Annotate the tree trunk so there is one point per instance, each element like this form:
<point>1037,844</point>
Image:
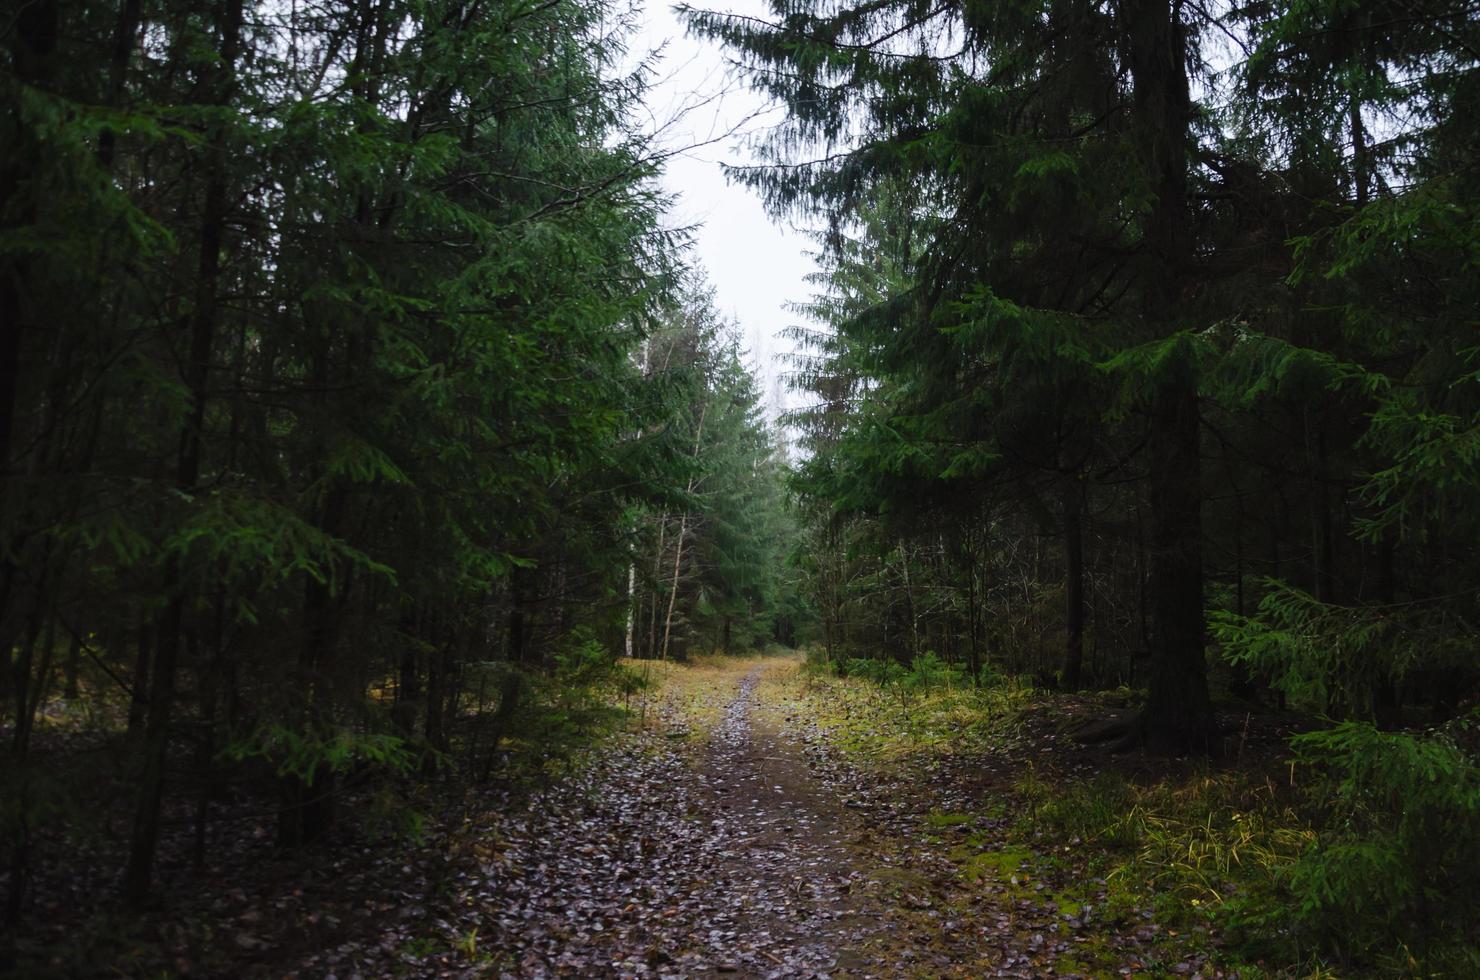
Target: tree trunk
<point>125,37</point>
<point>1361,148</point>
<point>1073,586</point>
<point>138,706</point>
<point>518,633</point>
<point>33,36</point>
<point>22,668</point>
<point>973,648</point>
<point>511,693</point>
<point>309,810</point>
<point>408,681</point>
<point>1387,702</point>
<point>215,211</point>
<point>1178,713</point>
<point>683,525</point>
<point>32,31</point>
<point>909,601</point>
<point>70,671</point>
<point>436,696</point>
<point>630,634</point>
<point>1242,684</point>
<point>652,632</point>
<point>205,750</point>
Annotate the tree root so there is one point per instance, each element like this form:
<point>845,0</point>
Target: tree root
<point>1136,733</point>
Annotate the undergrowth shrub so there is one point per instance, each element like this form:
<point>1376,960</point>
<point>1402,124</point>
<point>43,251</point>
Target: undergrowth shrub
<point>1102,811</point>
<point>310,756</point>
<point>389,813</point>
<point>545,719</point>
<point>885,673</point>
<point>927,705</point>
<point>928,671</point>
<point>1397,875</point>
<point>1381,872</point>
<point>816,661</point>
<point>925,672</point>
<point>1212,847</point>
<point>587,682</point>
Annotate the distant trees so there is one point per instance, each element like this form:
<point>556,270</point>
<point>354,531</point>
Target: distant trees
<point>329,409</point>
<point>1134,312</point>
<point>709,573</point>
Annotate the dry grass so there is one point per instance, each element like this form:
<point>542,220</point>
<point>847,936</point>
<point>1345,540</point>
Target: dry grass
<point>883,725</point>
<point>693,695</point>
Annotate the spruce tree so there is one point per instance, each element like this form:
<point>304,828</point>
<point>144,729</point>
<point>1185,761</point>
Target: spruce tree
<point>1052,151</point>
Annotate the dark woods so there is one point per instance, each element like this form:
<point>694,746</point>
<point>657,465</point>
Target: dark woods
<point>357,413</point>
<point>1138,319</point>
<point>353,397</point>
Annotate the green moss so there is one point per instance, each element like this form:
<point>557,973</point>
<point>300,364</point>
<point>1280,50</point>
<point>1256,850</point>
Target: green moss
<point>938,820</point>
<point>1067,904</point>
<point>1001,864</point>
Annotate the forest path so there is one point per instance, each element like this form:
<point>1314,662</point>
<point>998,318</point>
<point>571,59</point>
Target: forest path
<point>786,869</point>
<point>702,846</point>
<point>726,840</point>
<point>737,829</point>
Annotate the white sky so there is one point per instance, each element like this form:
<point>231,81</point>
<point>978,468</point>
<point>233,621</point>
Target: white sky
<point>755,265</point>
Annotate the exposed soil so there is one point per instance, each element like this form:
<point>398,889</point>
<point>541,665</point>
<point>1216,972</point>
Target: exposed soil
<point>709,857</point>
<point>786,868</point>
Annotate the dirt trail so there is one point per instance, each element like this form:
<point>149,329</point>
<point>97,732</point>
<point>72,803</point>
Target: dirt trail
<point>744,853</point>
<point>787,876</point>
<point>673,857</point>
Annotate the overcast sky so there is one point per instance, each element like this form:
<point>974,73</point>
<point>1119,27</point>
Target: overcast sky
<point>755,265</point>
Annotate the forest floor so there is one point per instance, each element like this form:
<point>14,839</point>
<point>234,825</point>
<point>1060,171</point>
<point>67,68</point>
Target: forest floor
<point>735,833</point>
<point>752,819</point>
